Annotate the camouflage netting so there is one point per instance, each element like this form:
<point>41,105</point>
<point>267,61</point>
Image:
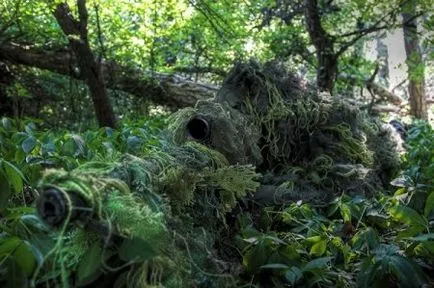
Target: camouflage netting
<point>160,220</point>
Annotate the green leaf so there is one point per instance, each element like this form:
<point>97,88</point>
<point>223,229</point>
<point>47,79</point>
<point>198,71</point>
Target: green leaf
<point>423,237</point>
<point>8,245</point>
<point>7,123</point>
<point>319,248</point>
<point>135,250</point>
<point>408,273</point>
<point>5,191</point>
<point>429,204</point>
<point>366,238</point>
<point>69,147</point>
<point>345,212</point>
<point>410,217</point>
<point>274,266</point>
<point>90,263</point>
<point>16,277</point>
<point>80,144</point>
<point>293,275</point>
<point>20,251</point>
<point>25,258</point>
<point>257,256</point>
<point>313,239</point>
<point>15,176</point>
<point>318,263</point>
<point>29,144</point>
<point>365,275</point>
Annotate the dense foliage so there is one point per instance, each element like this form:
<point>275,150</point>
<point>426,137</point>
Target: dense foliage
<point>199,39</point>
<point>157,56</point>
<point>354,241</point>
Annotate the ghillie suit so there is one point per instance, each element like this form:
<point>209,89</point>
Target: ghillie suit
<point>307,145</point>
<point>161,219</point>
<point>148,222</point>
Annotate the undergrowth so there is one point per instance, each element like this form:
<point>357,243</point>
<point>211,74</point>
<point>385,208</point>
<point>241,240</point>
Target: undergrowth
<point>355,241</point>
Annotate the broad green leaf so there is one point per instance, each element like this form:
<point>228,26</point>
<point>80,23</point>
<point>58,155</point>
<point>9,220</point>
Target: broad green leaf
<point>318,263</point>
<point>365,275</point>
<point>345,212</point>
<point>385,250</point>
<point>319,248</point>
<point>20,251</point>
<point>313,239</point>
<point>15,176</point>
<point>410,217</point>
<point>80,144</point>
<point>257,256</point>
<point>408,273</point>
<point>16,276</point>
<point>29,144</point>
<point>293,275</point>
<point>423,237</point>
<point>8,245</point>
<point>69,147</point>
<point>5,190</point>
<point>290,252</point>
<point>274,266</point>
<point>25,257</point>
<point>429,204</point>
<point>135,250</point>
<point>30,128</point>
<point>425,249</point>
<point>366,238</point>
<point>7,123</point>
<point>90,263</point>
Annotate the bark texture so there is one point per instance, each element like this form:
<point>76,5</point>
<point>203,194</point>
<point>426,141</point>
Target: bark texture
<point>323,42</point>
<point>167,90</point>
<point>76,31</point>
<point>416,86</point>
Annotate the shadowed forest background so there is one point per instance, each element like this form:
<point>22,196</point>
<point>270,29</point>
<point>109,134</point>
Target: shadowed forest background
<point>90,81</point>
<point>156,53</point>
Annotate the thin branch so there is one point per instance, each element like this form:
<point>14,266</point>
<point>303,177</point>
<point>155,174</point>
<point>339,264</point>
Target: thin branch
<point>374,28</point>
<point>371,79</point>
<point>102,53</point>
<point>201,70</point>
<point>399,84</point>
<point>211,15</point>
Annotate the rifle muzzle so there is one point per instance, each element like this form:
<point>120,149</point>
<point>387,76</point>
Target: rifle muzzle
<point>55,206</point>
<point>198,128</point>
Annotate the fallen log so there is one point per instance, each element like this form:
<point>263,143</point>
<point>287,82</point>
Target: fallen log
<point>162,89</point>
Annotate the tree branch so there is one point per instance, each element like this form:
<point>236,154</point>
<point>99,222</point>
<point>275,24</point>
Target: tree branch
<point>373,28</point>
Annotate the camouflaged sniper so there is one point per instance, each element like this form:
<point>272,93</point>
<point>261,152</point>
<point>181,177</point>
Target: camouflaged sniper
<point>158,220</point>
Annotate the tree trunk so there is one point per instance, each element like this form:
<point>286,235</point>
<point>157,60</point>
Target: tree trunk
<point>416,87</point>
<point>89,68</point>
<point>6,103</point>
<point>383,61</point>
<point>324,46</point>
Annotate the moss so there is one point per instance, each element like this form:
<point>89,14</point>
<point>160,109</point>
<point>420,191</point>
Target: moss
<point>234,182</point>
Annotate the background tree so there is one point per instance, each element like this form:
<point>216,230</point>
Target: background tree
<point>164,54</point>
<point>416,67</point>
<point>76,31</point>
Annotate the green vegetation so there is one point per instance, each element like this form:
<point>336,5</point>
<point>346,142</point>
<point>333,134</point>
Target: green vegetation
<point>353,241</point>
<point>215,144</point>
